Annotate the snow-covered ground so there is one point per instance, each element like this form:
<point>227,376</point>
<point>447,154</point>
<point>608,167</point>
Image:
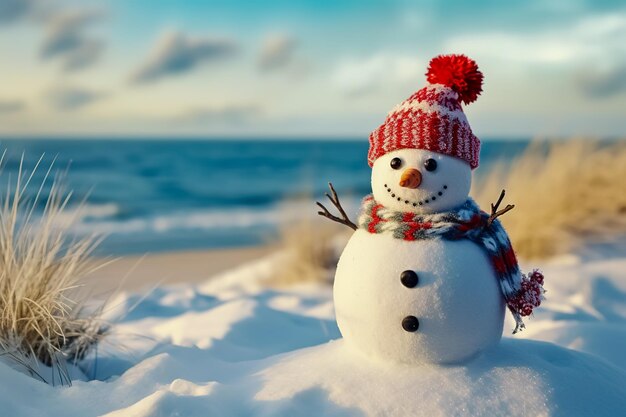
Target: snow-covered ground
<point>231,347</point>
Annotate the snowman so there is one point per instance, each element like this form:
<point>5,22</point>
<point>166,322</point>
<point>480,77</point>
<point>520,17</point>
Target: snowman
<point>427,276</point>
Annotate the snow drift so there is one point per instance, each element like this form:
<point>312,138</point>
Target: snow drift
<point>231,347</point>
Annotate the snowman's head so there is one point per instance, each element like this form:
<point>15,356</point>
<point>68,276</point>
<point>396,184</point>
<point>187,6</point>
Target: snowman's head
<point>420,181</point>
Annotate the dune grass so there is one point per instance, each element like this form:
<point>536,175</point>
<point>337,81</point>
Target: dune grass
<point>42,317</point>
<point>566,194</point>
<point>309,253</point>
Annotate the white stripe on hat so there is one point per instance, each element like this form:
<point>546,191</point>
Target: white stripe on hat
<point>428,108</point>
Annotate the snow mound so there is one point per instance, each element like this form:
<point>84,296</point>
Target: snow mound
<point>517,378</point>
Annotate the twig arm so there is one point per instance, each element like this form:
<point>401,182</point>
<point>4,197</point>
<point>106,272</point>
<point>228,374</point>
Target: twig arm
<point>344,219</point>
<point>494,207</point>
<point>495,213</point>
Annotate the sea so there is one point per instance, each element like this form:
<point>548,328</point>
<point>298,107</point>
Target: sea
<point>154,195</point>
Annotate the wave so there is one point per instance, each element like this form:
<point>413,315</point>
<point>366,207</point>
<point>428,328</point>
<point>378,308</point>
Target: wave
<point>239,218</point>
<point>87,212</point>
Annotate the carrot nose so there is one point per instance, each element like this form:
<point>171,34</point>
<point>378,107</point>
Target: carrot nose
<point>411,178</point>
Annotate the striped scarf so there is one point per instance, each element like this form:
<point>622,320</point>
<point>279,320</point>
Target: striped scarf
<point>521,292</point>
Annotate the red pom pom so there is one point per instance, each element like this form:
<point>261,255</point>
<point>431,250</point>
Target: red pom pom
<point>457,72</point>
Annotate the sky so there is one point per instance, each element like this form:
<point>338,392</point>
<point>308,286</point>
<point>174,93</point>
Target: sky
<point>303,68</point>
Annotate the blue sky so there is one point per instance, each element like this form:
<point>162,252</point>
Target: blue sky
<point>303,68</point>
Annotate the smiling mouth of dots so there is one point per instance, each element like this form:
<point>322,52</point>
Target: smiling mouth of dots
<point>417,203</point>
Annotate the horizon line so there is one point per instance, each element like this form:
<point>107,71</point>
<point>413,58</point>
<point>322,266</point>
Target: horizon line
<point>325,138</point>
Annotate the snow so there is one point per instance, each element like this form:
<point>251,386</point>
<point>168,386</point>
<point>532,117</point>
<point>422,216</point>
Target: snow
<point>518,378</point>
<point>231,347</point>
<point>457,300</point>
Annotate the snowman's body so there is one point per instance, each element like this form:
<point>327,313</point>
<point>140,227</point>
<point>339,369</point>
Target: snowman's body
<point>456,300</point>
<point>456,304</point>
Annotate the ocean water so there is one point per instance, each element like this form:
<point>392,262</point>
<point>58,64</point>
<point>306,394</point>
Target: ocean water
<point>162,195</point>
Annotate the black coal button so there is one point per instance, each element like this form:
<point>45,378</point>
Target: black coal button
<point>410,323</point>
<point>409,279</point>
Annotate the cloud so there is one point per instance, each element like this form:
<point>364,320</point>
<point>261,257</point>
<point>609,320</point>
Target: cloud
<point>88,53</point>
<point>65,29</point>
<point>276,52</point>
<point>579,42</point>
<point>357,77</point>
<point>595,43</point>
<point>229,114</point>
<point>11,106</point>
<point>72,98</point>
<point>14,10</point>
<point>67,41</point>
<point>606,83</point>
<point>175,54</point>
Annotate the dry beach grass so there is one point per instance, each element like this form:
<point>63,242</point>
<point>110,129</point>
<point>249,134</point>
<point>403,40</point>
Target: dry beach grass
<point>42,320</point>
<point>308,253</point>
<point>566,194</point>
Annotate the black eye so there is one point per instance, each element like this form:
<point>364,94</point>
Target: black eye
<point>430,165</point>
<point>396,163</point>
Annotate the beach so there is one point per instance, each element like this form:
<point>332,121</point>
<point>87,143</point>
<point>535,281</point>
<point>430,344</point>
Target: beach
<point>136,273</point>
<point>317,208</point>
<point>214,293</point>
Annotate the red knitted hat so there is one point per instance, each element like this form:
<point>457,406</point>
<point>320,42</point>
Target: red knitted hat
<point>433,118</point>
